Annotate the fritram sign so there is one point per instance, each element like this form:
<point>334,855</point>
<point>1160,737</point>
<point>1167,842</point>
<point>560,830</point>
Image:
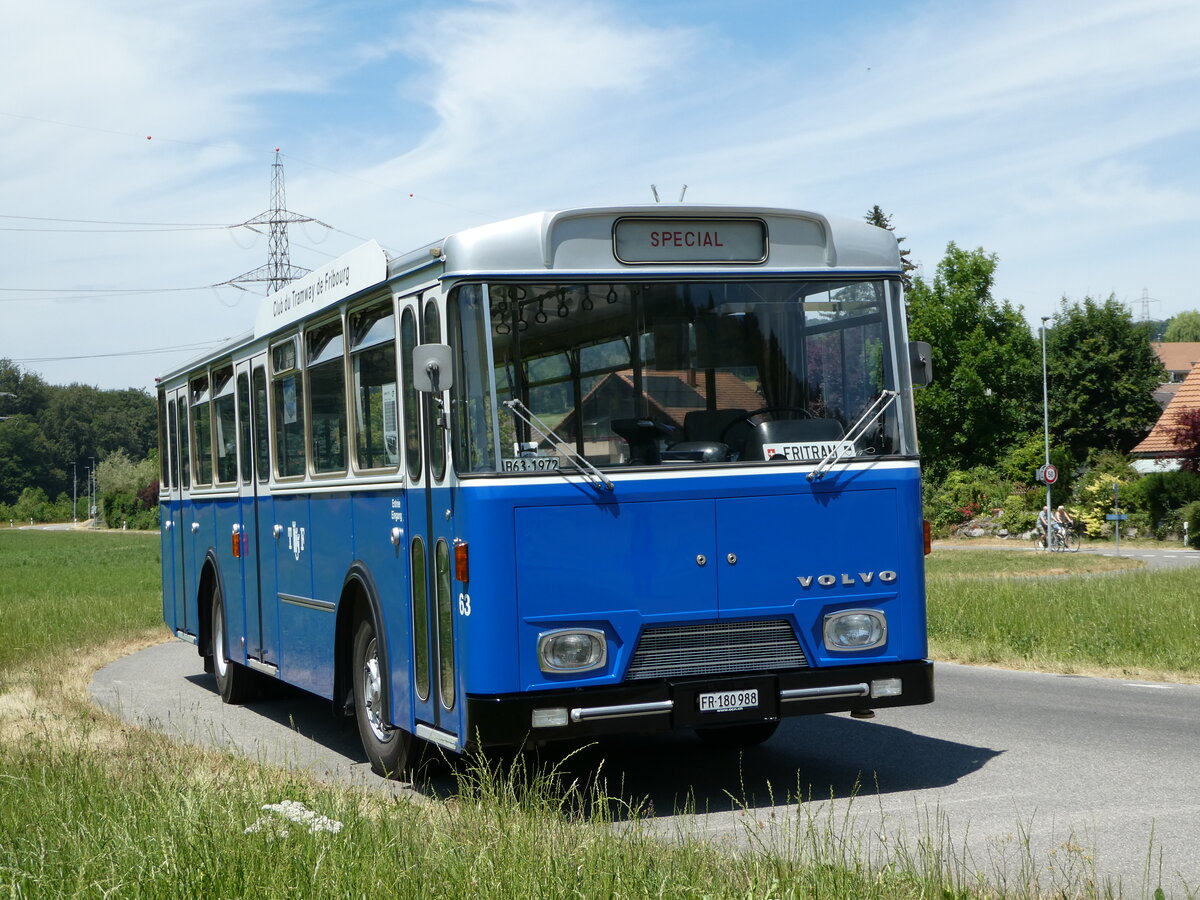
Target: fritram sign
<point>347,275</point>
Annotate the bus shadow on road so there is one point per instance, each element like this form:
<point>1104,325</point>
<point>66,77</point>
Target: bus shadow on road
<point>809,759</point>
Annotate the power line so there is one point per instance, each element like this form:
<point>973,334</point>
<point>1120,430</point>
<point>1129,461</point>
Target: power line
<point>74,294</point>
<point>108,222</point>
<point>147,352</point>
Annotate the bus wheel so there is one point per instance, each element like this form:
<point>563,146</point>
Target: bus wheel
<point>736,737</point>
<point>387,747</point>
<point>234,682</point>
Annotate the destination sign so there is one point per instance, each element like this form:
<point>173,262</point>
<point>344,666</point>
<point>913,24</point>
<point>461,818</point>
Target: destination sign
<point>350,273</point>
<point>643,241</point>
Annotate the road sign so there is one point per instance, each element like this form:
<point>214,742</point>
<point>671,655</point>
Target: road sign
<point>1116,517</point>
<point>1047,474</point>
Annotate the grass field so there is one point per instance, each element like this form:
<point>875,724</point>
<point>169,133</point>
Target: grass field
<point>1025,610</point>
<point>90,807</point>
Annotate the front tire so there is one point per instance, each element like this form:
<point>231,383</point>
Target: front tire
<point>389,748</point>
<point>235,683</point>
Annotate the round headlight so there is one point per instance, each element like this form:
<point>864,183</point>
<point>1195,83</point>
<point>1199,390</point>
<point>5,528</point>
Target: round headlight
<point>855,629</point>
<point>572,650</point>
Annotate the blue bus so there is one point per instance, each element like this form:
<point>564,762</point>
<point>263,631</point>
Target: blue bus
<point>572,474</point>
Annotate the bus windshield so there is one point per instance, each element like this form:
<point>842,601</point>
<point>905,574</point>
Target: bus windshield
<point>676,373</point>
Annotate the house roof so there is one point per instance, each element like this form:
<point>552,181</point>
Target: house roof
<point>673,394</point>
<point>1160,441</point>
<point>1177,356</point>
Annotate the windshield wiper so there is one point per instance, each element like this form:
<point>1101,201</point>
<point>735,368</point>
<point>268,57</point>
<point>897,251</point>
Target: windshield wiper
<point>872,414</point>
<point>589,471</point>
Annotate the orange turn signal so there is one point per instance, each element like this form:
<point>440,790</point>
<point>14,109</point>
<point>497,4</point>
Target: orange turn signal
<point>928,536</point>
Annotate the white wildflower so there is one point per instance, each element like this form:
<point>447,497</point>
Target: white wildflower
<point>296,812</point>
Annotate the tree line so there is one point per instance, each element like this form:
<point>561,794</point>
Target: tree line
<point>52,435</point>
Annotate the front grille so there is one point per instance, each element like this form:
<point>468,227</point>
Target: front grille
<point>672,651</point>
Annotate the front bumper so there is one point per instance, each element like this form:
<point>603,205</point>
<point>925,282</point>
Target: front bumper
<point>508,720</point>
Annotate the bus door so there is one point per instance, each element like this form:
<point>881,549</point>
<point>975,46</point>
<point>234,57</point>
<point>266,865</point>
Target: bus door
<point>175,535</point>
<point>256,533</point>
<point>430,518</point>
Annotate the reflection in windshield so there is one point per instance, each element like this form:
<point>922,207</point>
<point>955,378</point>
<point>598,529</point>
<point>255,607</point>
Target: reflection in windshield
<point>665,373</point>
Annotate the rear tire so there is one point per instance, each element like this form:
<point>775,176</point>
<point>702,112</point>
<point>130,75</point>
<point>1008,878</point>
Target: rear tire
<point>737,737</point>
<point>235,683</point>
<point>389,748</point>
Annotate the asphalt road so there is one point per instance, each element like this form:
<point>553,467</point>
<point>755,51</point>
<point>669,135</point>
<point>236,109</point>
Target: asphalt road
<point>1069,777</point>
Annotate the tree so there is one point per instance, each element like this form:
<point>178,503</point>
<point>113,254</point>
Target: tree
<point>1183,327</point>
<point>985,397</point>
<point>24,458</point>
<point>1103,373</point>
<point>878,218</point>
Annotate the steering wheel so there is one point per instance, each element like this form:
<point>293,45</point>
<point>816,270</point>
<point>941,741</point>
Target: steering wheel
<point>746,417</point>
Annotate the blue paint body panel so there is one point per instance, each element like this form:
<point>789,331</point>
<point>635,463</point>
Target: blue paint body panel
<point>546,554</point>
<point>625,561</point>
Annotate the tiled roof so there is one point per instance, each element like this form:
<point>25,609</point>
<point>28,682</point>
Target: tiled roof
<point>1177,356</point>
<point>672,393</point>
<point>1160,442</point>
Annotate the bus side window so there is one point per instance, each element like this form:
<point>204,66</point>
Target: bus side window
<point>185,472</point>
<point>470,392</point>
<point>376,425</point>
<point>327,396</point>
<point>164,445</point>
<point>262,449</point>
<point>431,333</point>
<point>224,425</point>
<point>243,412</point>
<point>412,409</point>
<point>289,410</point>
<point>201,432</point>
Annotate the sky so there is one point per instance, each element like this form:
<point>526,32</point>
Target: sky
<point>137,136</point>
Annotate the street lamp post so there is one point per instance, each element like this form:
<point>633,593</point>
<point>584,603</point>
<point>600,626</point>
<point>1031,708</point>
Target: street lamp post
<point>74,494</point>
<point>1046,427</point>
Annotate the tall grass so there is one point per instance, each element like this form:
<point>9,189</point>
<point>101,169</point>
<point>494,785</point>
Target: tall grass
<point>1131,622</point>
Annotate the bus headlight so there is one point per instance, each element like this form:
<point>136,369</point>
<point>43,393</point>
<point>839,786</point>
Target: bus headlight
<point>572,650</point>
<point>855,629</point>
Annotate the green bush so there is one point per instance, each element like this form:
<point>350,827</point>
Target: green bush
<point>1163,494</point>
<point>962,496</point>
<point>1191,515</point>
<point>34,506</point>
<point>129,510</point>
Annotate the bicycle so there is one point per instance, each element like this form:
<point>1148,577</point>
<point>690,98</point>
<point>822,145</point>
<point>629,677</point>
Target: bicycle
<point>1064,539</point>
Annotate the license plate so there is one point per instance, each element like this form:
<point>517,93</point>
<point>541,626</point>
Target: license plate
<point>727,701</point>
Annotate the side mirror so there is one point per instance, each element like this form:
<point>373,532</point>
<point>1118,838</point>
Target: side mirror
<point>433,368</point>
<point>920,363</point>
